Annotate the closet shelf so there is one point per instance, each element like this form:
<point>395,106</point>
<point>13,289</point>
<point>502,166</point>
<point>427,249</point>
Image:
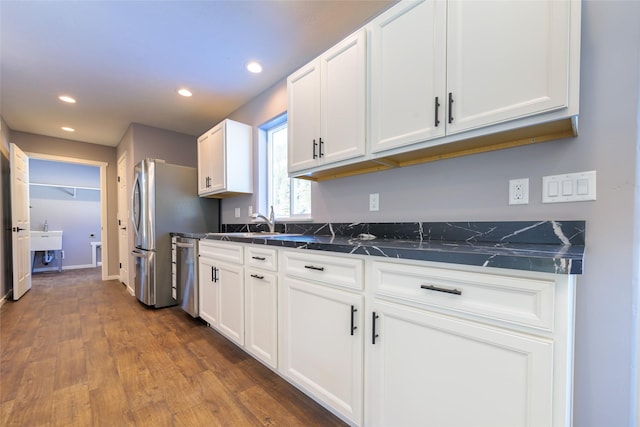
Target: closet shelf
<point>74,188</point>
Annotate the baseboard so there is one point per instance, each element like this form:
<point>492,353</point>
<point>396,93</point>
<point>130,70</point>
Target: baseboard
<point>131,291</point>
<point>64,267</point>
<point>113,277</point>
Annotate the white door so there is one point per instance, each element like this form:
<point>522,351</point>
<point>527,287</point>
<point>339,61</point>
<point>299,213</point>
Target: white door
<point>434,370</point>
<point>218,157</point>
<point>323,347</point>
<point>230,281</point>
<point>261,315</point>
<point>506,59</point>
<point>204,164</point>
<point>343,99</point>
<point>20,220</point>
<point>303,91</point>
<point>408,74</point>
<point>123,215</point>
<point>209,295</point>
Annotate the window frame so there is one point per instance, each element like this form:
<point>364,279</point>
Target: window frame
<point>269,129</point>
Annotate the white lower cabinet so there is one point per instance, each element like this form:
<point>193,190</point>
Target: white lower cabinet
<point>323,341</point>
<point>429,369</point>
<point>464,346</point>
<point>222,288</point>
<point>231,310</point>
<point>416,344</point>
<point>209,297</point>
<point>261,315</point>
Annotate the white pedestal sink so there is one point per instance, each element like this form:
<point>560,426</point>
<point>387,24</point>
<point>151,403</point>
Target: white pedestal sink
<point>46,241</point>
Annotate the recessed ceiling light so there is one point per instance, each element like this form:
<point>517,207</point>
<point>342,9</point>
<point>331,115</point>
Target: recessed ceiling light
<point>66,98</point>
<point>184,92</point>
<point>67,129</point>
<point>254,67</point>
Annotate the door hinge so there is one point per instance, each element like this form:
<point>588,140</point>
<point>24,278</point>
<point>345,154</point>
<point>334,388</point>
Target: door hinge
<point>118,179</point>
<point>120,265</point>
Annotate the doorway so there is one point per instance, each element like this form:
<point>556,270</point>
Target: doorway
<point>103,246</point>
<point>64,199</point>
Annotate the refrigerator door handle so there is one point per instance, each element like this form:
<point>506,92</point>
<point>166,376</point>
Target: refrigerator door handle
<point>132,207</point>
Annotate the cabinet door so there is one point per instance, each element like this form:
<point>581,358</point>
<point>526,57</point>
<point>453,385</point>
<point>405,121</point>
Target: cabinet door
<point>231,309</point>
<point>218,158</point>
<point>261,315</point>
<point>408,72</point>
<point>208,304</point>
<point>204,164</point>
<point>506,59</point>
<point>343,84</point>
<point>303,91</point>
<point>322,354</point>
<point>433,370</point>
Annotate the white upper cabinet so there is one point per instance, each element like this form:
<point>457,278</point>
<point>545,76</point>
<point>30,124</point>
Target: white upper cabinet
<point>408,74</point>
<point>303,91</point>
<point>327,100</point>
<point>225,161</point>
<point>506,59</point>
<point>439,67</point>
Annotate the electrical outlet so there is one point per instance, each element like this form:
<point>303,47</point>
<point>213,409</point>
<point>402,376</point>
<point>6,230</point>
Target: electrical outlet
<point>250,211</point>
<point>519,191</point>
<point>374,202</point>
<point>237,213</point>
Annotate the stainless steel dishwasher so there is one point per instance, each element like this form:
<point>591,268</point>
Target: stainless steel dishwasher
<point>187,274</point>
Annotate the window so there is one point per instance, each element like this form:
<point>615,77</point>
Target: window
<point>290,197</point>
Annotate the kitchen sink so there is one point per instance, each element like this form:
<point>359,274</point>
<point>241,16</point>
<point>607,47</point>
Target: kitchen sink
<point>250,234</point>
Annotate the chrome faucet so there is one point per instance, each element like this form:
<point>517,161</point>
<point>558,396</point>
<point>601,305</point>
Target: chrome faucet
<point>271,221</point>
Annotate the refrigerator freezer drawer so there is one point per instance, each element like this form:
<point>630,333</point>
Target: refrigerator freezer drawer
<point>145,276</point>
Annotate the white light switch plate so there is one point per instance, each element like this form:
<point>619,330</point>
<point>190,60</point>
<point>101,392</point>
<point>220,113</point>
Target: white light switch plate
<point>374,202</point>
<point>571,187</point>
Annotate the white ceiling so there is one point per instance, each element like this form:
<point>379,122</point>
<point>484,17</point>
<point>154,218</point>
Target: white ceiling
<point>124,60</point>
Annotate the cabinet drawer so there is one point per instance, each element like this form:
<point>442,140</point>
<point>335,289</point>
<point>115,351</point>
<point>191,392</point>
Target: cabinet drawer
<point>230,252</point>
<point>262,258</point>
<point>517,300</point>
<point>332,270</point>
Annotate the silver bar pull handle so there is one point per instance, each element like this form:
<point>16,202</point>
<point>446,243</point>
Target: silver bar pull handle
<point>184,245</point>
<point>438,289</point>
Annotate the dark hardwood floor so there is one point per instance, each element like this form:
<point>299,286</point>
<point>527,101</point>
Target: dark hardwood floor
<point>77,351</point>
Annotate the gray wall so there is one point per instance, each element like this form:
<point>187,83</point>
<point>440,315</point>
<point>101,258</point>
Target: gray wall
<point>77,216</point>
<point>475,188</point>
<point>5,255</point>
<point>259,111</point>
<point>140,142</point>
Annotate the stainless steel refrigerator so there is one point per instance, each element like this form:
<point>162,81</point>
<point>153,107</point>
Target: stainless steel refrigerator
<point>165,200</point>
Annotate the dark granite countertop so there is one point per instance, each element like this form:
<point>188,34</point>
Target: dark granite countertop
<point>189,235</point>
<point>542,246</point>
